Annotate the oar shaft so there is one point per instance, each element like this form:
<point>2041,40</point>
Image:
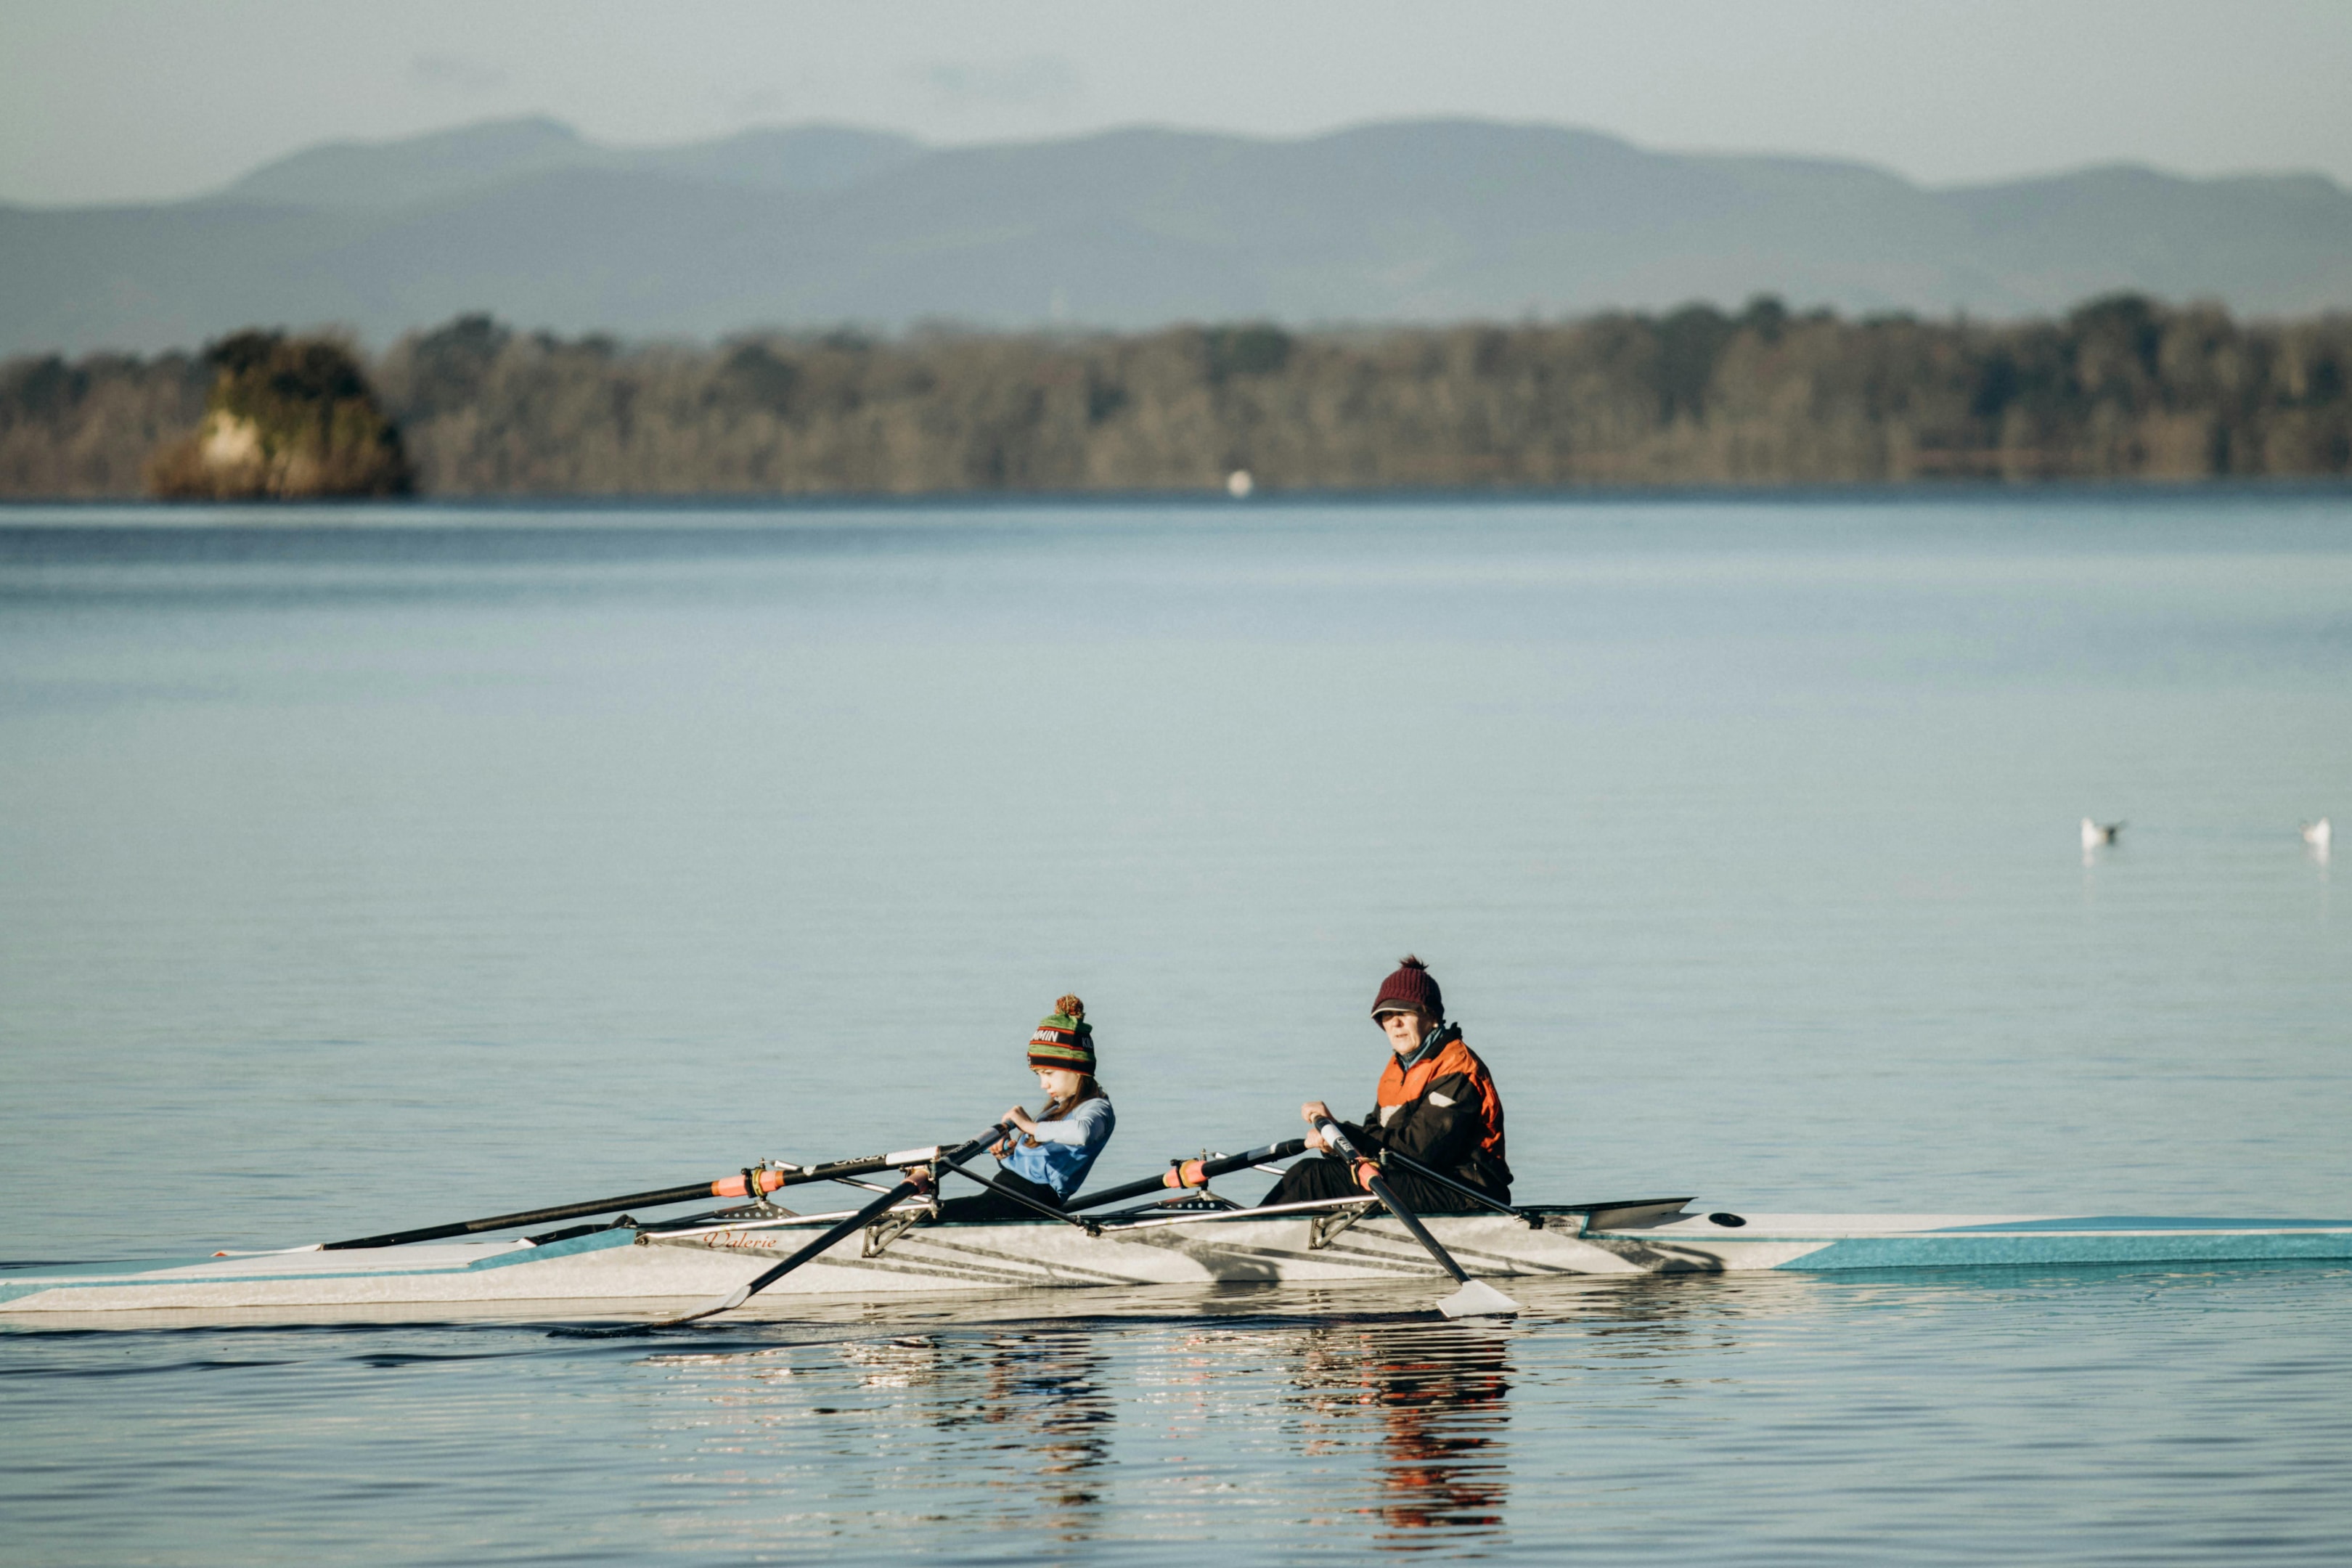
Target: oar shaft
<point>1023,1199</point>
<point>1487,1200</point>
<point>1189,1174</point>
<point>1412,1222</point>
<point>1380,1189</point>
<point>725,1188</point>
<point>880,1205</point>
<point>528,1216</point>
<point>767,1277</point>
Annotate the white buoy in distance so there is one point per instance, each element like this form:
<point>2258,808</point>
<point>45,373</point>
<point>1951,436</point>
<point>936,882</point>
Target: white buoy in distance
<point>1238,484</point>
<point>2319,834</point>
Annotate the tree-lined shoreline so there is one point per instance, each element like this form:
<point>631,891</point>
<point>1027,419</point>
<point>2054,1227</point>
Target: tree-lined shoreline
<point>2120,389</point>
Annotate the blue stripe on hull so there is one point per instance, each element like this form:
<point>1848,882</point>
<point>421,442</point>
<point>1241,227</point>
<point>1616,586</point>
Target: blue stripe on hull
<point>1983,1250</point>
<point>2141,1222</point>
<point>595,1241</point>
<point>16,1292</point>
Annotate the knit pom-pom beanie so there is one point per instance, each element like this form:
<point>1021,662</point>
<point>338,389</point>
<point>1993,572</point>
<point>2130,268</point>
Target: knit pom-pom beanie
<point>1411,989</point>
<point>1064,1038</point>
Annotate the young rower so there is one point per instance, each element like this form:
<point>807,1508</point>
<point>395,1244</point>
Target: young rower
<point>1048,1159</point>
<point>1437,1106</point>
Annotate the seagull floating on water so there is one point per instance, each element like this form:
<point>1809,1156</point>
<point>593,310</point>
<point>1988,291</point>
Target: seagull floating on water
<point>2097,832</point>
<point>2317,834</point>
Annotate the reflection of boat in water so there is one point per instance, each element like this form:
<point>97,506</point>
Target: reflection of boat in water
<point>1050,1390</point>
<point>1400,1421</point>
<point>1437,1398</point>
<point>1024,1418</point>
<point>646,1267</point>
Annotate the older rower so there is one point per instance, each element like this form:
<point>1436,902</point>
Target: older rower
<point>1437,1106</point>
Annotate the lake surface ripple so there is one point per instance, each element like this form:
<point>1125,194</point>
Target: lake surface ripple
<point>367,867</point>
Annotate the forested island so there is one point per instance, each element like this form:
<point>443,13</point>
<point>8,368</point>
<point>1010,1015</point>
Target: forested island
<point>2121,388</point>
<point>286,419</point>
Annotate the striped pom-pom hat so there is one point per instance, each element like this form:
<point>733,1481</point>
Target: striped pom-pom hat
<point>1064,1038</point>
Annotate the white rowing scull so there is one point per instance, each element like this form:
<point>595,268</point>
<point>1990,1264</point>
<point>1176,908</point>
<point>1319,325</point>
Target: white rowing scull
<point>650,1267</point>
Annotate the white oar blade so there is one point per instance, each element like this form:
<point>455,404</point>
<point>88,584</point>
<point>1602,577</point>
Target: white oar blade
<point>727,1304</point>
<point>1478,1300</point>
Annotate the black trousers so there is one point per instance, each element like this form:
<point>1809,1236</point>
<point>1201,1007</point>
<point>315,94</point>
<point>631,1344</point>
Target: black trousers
<point>983,1207</point>
<point>1325,1178</point>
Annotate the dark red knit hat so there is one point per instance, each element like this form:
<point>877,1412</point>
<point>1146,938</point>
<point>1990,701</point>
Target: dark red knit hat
<point>1411,986</point>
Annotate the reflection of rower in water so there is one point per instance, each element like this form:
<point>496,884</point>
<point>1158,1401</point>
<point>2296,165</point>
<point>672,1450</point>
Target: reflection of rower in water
<point>1048,1159</point>
<point>1050,1389</point>
<point>1441,1397</point>
<point>1437,1106</point>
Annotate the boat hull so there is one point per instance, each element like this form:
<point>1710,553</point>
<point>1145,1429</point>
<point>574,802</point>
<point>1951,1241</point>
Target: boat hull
<point>619,1271</point>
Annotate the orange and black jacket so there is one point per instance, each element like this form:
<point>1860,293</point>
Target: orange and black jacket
<point>1444,1112</point>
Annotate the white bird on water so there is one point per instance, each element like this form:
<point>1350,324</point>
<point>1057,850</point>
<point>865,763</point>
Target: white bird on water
<point>2097,832</point>
<point>2318,834</point>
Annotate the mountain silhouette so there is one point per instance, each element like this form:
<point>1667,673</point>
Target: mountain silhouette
<point>1422,221</point>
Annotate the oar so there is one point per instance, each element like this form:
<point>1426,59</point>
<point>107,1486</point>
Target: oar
<point>744,1293</point>
<point>1024,1199</point>
<point>734,1186</point>
<point>1534,1221</point>
<point>1183,1173</point>
<point>1476,1298</point>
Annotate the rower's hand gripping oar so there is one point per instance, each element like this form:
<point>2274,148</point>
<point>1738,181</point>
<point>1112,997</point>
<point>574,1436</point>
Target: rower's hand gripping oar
<point>1476,1298</point>
<point>744,1293</point>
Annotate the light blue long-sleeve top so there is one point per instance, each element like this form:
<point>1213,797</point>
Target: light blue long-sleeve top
<point>1066,1147</point>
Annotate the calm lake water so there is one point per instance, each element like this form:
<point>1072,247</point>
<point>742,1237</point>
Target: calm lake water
<point>364,867</point>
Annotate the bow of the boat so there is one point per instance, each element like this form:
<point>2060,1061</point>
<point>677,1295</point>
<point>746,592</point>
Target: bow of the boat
<point>601,1269</point>
<point>1947,1241</point>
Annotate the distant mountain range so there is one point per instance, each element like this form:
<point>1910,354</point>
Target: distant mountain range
<point>1420,221</point>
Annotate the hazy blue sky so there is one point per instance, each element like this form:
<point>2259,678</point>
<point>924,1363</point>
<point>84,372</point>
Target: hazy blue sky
<point>122,99</point>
